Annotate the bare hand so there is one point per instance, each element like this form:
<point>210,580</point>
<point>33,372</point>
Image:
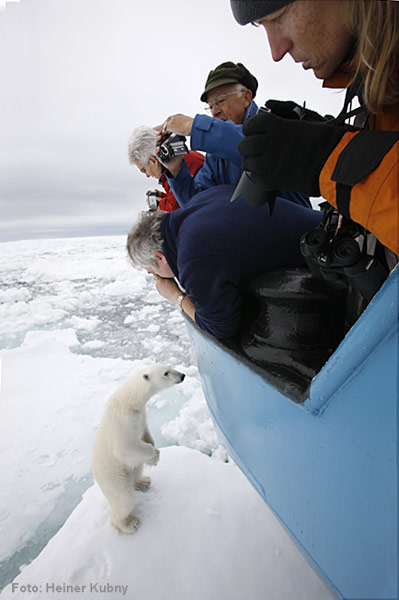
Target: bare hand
<point>168,288</point>
<point>181,124</point>
<point>159,195</point>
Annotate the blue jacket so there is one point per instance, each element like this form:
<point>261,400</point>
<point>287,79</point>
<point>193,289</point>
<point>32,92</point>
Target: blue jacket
<point>222,164</point>
<point>214,247</point>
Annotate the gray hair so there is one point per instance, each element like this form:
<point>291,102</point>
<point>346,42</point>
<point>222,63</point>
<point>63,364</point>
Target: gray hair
<point>145,239</point>
<point>141,144</point>
<point>238,87</point>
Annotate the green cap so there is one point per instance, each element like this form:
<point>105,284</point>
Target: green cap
<point>229,72</point>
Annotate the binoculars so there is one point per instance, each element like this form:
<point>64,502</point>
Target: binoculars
<point>341,259</point>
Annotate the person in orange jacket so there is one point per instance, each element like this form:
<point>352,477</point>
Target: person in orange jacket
<point>353,45</point>
<point>141,153</point>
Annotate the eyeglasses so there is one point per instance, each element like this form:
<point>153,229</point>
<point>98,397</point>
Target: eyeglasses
<point>220,100</point>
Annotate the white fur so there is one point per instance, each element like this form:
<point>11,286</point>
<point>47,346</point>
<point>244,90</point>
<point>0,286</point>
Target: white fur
<point>123,443</point>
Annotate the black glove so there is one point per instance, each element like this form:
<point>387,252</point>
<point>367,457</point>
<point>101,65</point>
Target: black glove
<point>284,154</point>
<point>291,110</point>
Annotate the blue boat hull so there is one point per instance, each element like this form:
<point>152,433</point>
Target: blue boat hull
<point>328,467</point>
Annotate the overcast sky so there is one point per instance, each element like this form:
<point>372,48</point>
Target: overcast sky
<point>77,76</point>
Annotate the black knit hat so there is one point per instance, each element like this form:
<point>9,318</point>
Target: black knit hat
<point>229,72</point>
<point>245,11</point>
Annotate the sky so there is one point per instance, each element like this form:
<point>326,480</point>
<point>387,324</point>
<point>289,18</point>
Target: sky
<point>79,75</point>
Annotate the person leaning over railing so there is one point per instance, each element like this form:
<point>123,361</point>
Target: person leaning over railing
<point>352,45</point>
<point>214,248</point>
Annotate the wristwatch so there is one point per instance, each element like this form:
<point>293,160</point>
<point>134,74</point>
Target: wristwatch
<point>180,300</point>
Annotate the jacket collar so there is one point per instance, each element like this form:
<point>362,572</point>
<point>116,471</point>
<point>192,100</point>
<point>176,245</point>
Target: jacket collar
<point>169,232</point>
<point>251,110</point>
<point>343,76</point>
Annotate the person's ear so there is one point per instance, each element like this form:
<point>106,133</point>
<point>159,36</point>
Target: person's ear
<point>247,97</point>
<point>153,160</point>
<point>160,256</point>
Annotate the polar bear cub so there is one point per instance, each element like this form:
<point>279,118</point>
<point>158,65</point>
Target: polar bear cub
<point>123,443</point>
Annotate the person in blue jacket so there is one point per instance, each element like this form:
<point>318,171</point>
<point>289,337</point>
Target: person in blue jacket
<point>229,91</point>
<point>213,248</point>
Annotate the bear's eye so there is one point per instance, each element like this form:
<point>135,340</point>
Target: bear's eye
<point>166,373</point>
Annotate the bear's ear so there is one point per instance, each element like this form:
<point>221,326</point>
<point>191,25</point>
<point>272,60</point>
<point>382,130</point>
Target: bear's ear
<point>146,377</point>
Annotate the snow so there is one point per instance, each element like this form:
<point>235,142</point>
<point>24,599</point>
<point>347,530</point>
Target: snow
<point>75,321</point>
<point>204,535</point>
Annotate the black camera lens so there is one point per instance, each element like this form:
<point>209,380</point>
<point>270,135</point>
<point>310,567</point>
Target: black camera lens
<point>164,153</point>
<point>346,251</point>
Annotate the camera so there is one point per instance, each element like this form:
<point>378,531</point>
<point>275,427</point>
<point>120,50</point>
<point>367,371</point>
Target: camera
<point>152,201</point>
<point>171,145</point>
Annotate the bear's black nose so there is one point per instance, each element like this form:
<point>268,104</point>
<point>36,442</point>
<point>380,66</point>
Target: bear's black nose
<point>182,376</point>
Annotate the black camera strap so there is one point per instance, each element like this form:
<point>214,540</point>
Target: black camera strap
<point>361,113</point>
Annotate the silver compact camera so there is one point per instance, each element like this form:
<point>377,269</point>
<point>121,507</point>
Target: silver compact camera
<point>152,201</point>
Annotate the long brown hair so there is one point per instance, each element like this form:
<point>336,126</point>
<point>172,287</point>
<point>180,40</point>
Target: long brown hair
<point>375,26</point>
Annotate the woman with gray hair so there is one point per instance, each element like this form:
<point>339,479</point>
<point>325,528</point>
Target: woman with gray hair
<point>141,148</point>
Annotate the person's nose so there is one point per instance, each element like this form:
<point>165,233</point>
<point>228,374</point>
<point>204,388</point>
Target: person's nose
<point>279,43</point>
<point>216,111</point>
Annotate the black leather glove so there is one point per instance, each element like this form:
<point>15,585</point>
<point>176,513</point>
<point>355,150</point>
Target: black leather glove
<point>285,154</point>
<point>291,110</point>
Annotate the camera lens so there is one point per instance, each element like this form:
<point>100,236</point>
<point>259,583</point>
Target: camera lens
<point>346,251</point>
<point>164,152</point>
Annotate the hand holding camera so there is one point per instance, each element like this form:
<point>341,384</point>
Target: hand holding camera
<point>171,145</point>
<point>181,124</point>
<point>170,149</point>
<point>152,200</point>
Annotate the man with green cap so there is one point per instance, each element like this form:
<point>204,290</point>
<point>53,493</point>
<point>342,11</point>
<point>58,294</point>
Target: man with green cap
<point>229,92</point>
